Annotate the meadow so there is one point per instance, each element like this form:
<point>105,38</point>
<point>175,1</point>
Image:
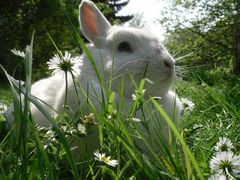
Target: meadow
<point>209,127</point>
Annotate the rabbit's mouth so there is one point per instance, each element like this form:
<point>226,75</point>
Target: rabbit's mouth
<point>157,81</point>
<point>161,80</point>
<point>160,74</point>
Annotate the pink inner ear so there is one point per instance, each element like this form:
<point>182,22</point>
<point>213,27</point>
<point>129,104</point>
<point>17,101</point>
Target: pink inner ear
<point>90,19</point>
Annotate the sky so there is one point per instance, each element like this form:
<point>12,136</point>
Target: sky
<point>150,10</point>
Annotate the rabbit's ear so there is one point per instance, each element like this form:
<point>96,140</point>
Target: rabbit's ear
<point>92,22</point>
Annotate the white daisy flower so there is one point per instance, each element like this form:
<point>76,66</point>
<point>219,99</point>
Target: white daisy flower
<point>102,157</point>
<point>217,177</point>
<point>18,53</point>
<point>81,128</point>
<point>136,119</point>
<point>224,144</point>
<point>197,126</point>
<point>187,104</point>
<point>134,97</point>
<point>225,163</point>
<point>90,119</point>
<point>3,108</point>
<point>51,135</point>
<point>137,93</point>
<point>65,64</point>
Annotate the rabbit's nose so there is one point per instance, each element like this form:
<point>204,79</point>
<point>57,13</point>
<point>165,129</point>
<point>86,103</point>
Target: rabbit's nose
<point>168,64</point>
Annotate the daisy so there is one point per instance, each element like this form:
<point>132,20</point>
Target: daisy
<point>102,157</point>
<point>224,144</point>
<point>134,97</point>
<point>187,104</point>
<point>137,93</point>
<point>217,177</point>
<point>89,119</point>
<point>18,53</point>
<point>81,128</point>
<point>136,119</point>
<point>65,64</point>
<point>3,108</point>
<point>225,163</point>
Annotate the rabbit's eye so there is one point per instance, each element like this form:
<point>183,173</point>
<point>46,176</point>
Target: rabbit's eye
<point>125,47</point>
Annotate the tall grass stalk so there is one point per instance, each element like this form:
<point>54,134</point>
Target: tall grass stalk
<point>180,138</point>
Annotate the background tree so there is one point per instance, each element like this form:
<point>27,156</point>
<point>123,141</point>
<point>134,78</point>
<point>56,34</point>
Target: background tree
<point>19,18</point>
<point>110,9</point>
<point>206,29</point>
<point>237,35</point>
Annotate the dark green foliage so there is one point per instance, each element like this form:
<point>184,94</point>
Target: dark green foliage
<point>110,9</point>
<point>221,79</point>
<point>19,18</point>
<point>210,39</point>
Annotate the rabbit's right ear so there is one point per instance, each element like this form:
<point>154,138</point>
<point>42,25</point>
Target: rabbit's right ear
<point>92,22</point>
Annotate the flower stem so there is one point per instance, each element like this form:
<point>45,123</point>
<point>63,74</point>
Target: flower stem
<point>75,87</point>
<point>66,92</point>
<point>229,174</point>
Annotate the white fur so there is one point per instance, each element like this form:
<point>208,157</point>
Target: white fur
<point>146,50</point>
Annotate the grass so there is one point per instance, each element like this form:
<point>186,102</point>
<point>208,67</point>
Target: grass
<point>31,152</point>
<point>212,118</point>
<point>5,93</point>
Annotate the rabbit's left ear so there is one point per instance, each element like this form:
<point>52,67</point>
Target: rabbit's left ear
<point>92,22</point>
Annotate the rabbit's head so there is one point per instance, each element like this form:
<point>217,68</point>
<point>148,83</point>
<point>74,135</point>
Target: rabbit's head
<point>127,52</point>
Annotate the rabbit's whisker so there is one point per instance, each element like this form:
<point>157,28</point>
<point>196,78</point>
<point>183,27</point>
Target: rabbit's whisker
<point>127,65</point>
<point>182,57</point>
<point>120,75</point>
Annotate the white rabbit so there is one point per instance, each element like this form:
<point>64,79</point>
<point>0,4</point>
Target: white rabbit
<point>127,52</point>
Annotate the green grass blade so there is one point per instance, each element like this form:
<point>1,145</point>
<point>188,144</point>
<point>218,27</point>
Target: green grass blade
<point>180,138</point>
<point>41,150</point>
